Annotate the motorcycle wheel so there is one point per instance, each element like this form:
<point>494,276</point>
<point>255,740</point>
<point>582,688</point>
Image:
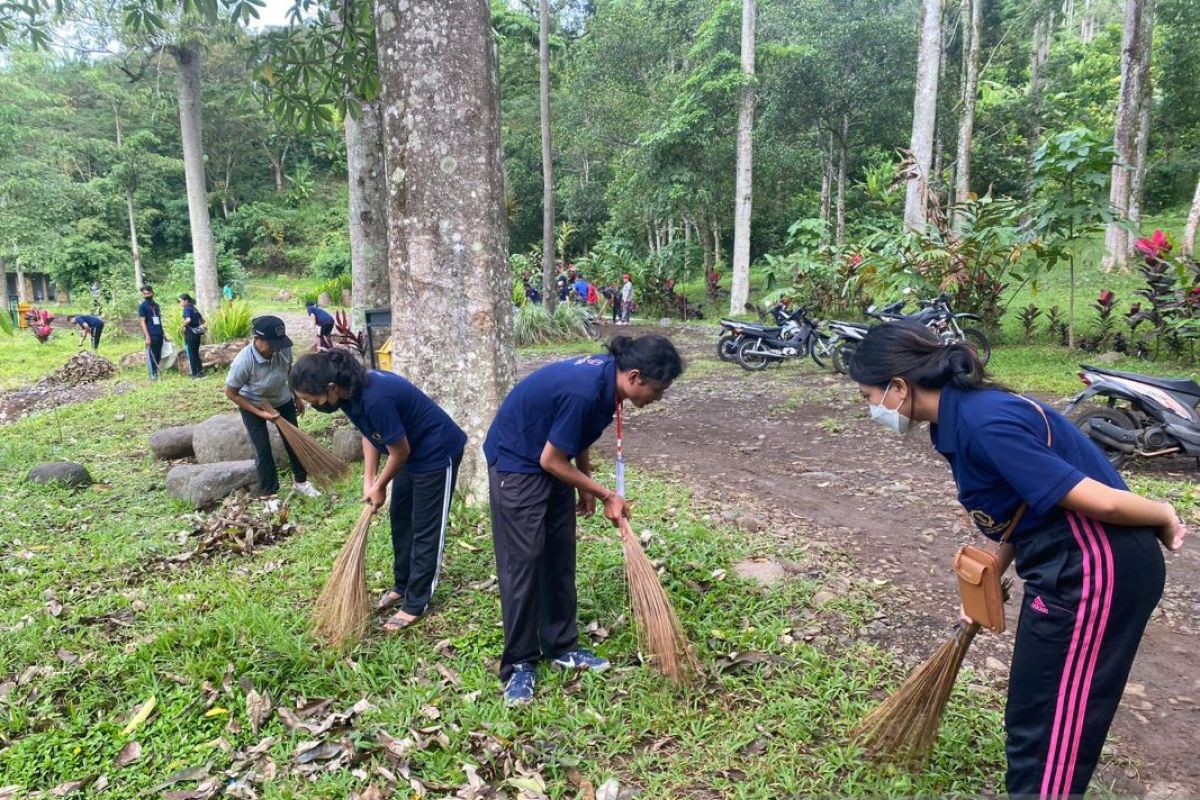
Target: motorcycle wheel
<point>978,339</point>
<point>749,360</point>
<point>820,349</point>
<point>727,347</point>
<point>1113,416</point>
<point>840,357</point>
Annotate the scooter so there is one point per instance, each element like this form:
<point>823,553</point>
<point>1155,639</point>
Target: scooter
<point>755,351</point>
<point>1156,416</point>
<point>732,330</point>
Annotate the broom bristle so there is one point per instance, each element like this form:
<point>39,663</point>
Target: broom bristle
<point>903,728</point>
<point>342,610</point>
<point>660,634</point>
<point>322,466</point>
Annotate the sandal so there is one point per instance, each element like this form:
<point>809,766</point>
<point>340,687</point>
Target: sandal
<point>389,599</point>
<point>401,620</point>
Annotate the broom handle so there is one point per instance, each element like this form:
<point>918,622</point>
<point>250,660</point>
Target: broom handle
<point>620,452</point>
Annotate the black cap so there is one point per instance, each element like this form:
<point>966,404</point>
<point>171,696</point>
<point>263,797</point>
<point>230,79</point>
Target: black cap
<point>271,330</point>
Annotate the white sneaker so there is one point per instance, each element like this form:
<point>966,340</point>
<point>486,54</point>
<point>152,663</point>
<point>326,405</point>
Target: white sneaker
<point>307,489</point>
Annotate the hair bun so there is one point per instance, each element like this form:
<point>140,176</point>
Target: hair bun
<point>619,345</point>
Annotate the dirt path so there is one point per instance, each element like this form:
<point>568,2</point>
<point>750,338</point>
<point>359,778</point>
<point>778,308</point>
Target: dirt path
<point>791,457</point>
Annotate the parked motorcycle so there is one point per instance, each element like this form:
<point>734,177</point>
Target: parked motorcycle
<point>732,330</point>
<point>1143,415</point>
<point>937,316</point>
<point>756,351</point>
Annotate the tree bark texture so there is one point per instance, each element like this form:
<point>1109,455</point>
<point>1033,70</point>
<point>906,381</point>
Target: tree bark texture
<point>916,200</point>
<point>1188,246</point>
<point>204,254</point>
<point>826,185</point>
<point>447,226</point>
<point>966,120</point>
<point>1138,16</point>
<point>134,247</point>
<point>1137,179</point>
<point>369,285</point>
<point>1043,35</point>
<point>718,256</point>
<point>3,286</point>
<point>843,163</point>
<point>743,192</point>
<point>549,291</point>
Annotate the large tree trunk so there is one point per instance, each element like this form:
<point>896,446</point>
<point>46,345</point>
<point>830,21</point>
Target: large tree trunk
<point>1188,246</point>
<point>1043,35</point>
<point>23,288</point>
<point>369,286</point>
<point>966,120</point>
<point>549,291</point>
<point>843,162</point>
<point>1087,24</point>
<point>1138,18</point>
<point>4,284</point>
<point>134,247</point>
<point>743,197</point>
<point>706,244</point>
<point>204,254</point>
<point>718,256</point>
<point>916,201</point>
<point>1137,179</point>
<point>447,229</point>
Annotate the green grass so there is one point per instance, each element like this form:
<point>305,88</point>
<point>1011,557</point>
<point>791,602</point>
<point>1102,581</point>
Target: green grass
<point>767,730</point>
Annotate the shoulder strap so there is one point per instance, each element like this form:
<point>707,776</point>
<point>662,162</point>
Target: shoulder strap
<point>1012,525</point>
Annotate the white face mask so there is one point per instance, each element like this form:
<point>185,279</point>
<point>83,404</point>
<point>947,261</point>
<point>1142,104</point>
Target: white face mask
<point>890,417</point>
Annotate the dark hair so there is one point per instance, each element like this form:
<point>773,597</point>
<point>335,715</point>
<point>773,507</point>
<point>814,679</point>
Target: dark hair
<point>188,297</point>
<point>911,351</point>
<point>312,373</point>
<point>654,356</point>
<point>146,288</point>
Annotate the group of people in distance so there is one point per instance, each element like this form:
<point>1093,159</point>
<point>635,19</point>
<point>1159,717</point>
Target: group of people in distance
<point>1088,549</point>
<point>573,287</point>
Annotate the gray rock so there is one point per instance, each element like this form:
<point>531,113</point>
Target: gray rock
<point>1109,357</point>
<point>324,300</point>
<point>347,444</point>
<point>172,442</point>
<point>205,485</point>
<point>65,472</point>
<point>764,572</point>
<point>223,438</point>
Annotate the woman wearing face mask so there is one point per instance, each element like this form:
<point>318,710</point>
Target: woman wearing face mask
<point>550,419</point>
<point>1086,547</point>
<point>423,448</point>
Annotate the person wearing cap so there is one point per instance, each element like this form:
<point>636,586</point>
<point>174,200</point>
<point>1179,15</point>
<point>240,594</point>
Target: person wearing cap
<point>150,318</point>
<point>260,373</point>
<point>88,324</point>
<point>323,320</point>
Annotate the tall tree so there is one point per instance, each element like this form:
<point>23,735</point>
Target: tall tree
<point>916,201</point>
<point>367,174</point>
<point>743,199</point>
<point>448,238</point>
<point>972,25</point>
<point>549,293</point>
<point>1188,246</point>
<point>188,56</point>
<point>1137,33</point>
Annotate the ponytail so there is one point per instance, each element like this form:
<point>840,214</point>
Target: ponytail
<point>911,351</point>
<point>313,372</point>
<point>653,356</point>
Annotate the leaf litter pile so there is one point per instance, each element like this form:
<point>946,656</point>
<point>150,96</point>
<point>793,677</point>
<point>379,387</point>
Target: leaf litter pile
<point>241,525</point>
<point>75,381</point>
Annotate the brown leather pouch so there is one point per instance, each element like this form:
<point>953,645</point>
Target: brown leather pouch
<point>978,570</point>
<point>979,589</point>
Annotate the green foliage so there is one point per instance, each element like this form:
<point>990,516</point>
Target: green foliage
<point>332,259</point>
<point>333,287</point>
<point>231,321</point>
<point>532,324</point>
<point>229,273</point>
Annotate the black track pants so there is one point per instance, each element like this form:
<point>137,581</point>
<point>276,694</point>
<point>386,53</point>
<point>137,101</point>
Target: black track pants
<point>1089,591</point>
<point>154,355</point>
<point>533,531</point>
<point>420,513</point>
<point>192,342</point>
<point>96,332</point>
<point>264,459</point>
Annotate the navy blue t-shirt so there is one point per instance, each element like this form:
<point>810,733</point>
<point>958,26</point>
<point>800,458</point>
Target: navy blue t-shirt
<point>323,316</point>
<point>389,408</point>
<point>568,404</point>
<point>996,445</point>
<point>192,317</point>
<point>95,323</point>
<point>149,311</point>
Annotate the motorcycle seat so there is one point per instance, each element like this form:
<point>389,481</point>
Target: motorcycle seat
<point>1181,385</point>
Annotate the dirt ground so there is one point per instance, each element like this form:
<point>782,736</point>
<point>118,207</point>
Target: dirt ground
<point>790,456</point>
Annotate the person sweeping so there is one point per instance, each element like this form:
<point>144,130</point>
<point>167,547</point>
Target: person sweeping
<point>260,373</point>
<point>538,455</point>
<point>423,447</point>
<point>88,324</point>
<point>323,321</point>
<point>1087,548</point>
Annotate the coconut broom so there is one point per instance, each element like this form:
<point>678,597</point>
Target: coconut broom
<point>321,465</point>
<point>660,634</point>
<point>903,728</point>
<point>342,610</point>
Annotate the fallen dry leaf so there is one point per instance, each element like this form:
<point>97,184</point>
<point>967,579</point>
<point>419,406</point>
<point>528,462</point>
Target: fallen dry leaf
<point>100,785</point>
<point>66,656</point>
<point>310,751</point>
<point>370,793</point>
<point>54,608</point>
<point>69,787</point>
<point>610,790</point>
<point>400,748</point>
<point>189,774</point>
<point>131,752</point>
<point>204,791</point>
<point>140,715</point>
<point>258,706</point>
<point>451,676</point>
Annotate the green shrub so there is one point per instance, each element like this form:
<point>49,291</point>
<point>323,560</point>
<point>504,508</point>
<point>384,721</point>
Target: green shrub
<point>231,321</point>
<point>172,320</point>
<point>533,325</point>
<point>570,322</point>
<point>230,271</point>
<point>333,287</point>
<point>332,259</point>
